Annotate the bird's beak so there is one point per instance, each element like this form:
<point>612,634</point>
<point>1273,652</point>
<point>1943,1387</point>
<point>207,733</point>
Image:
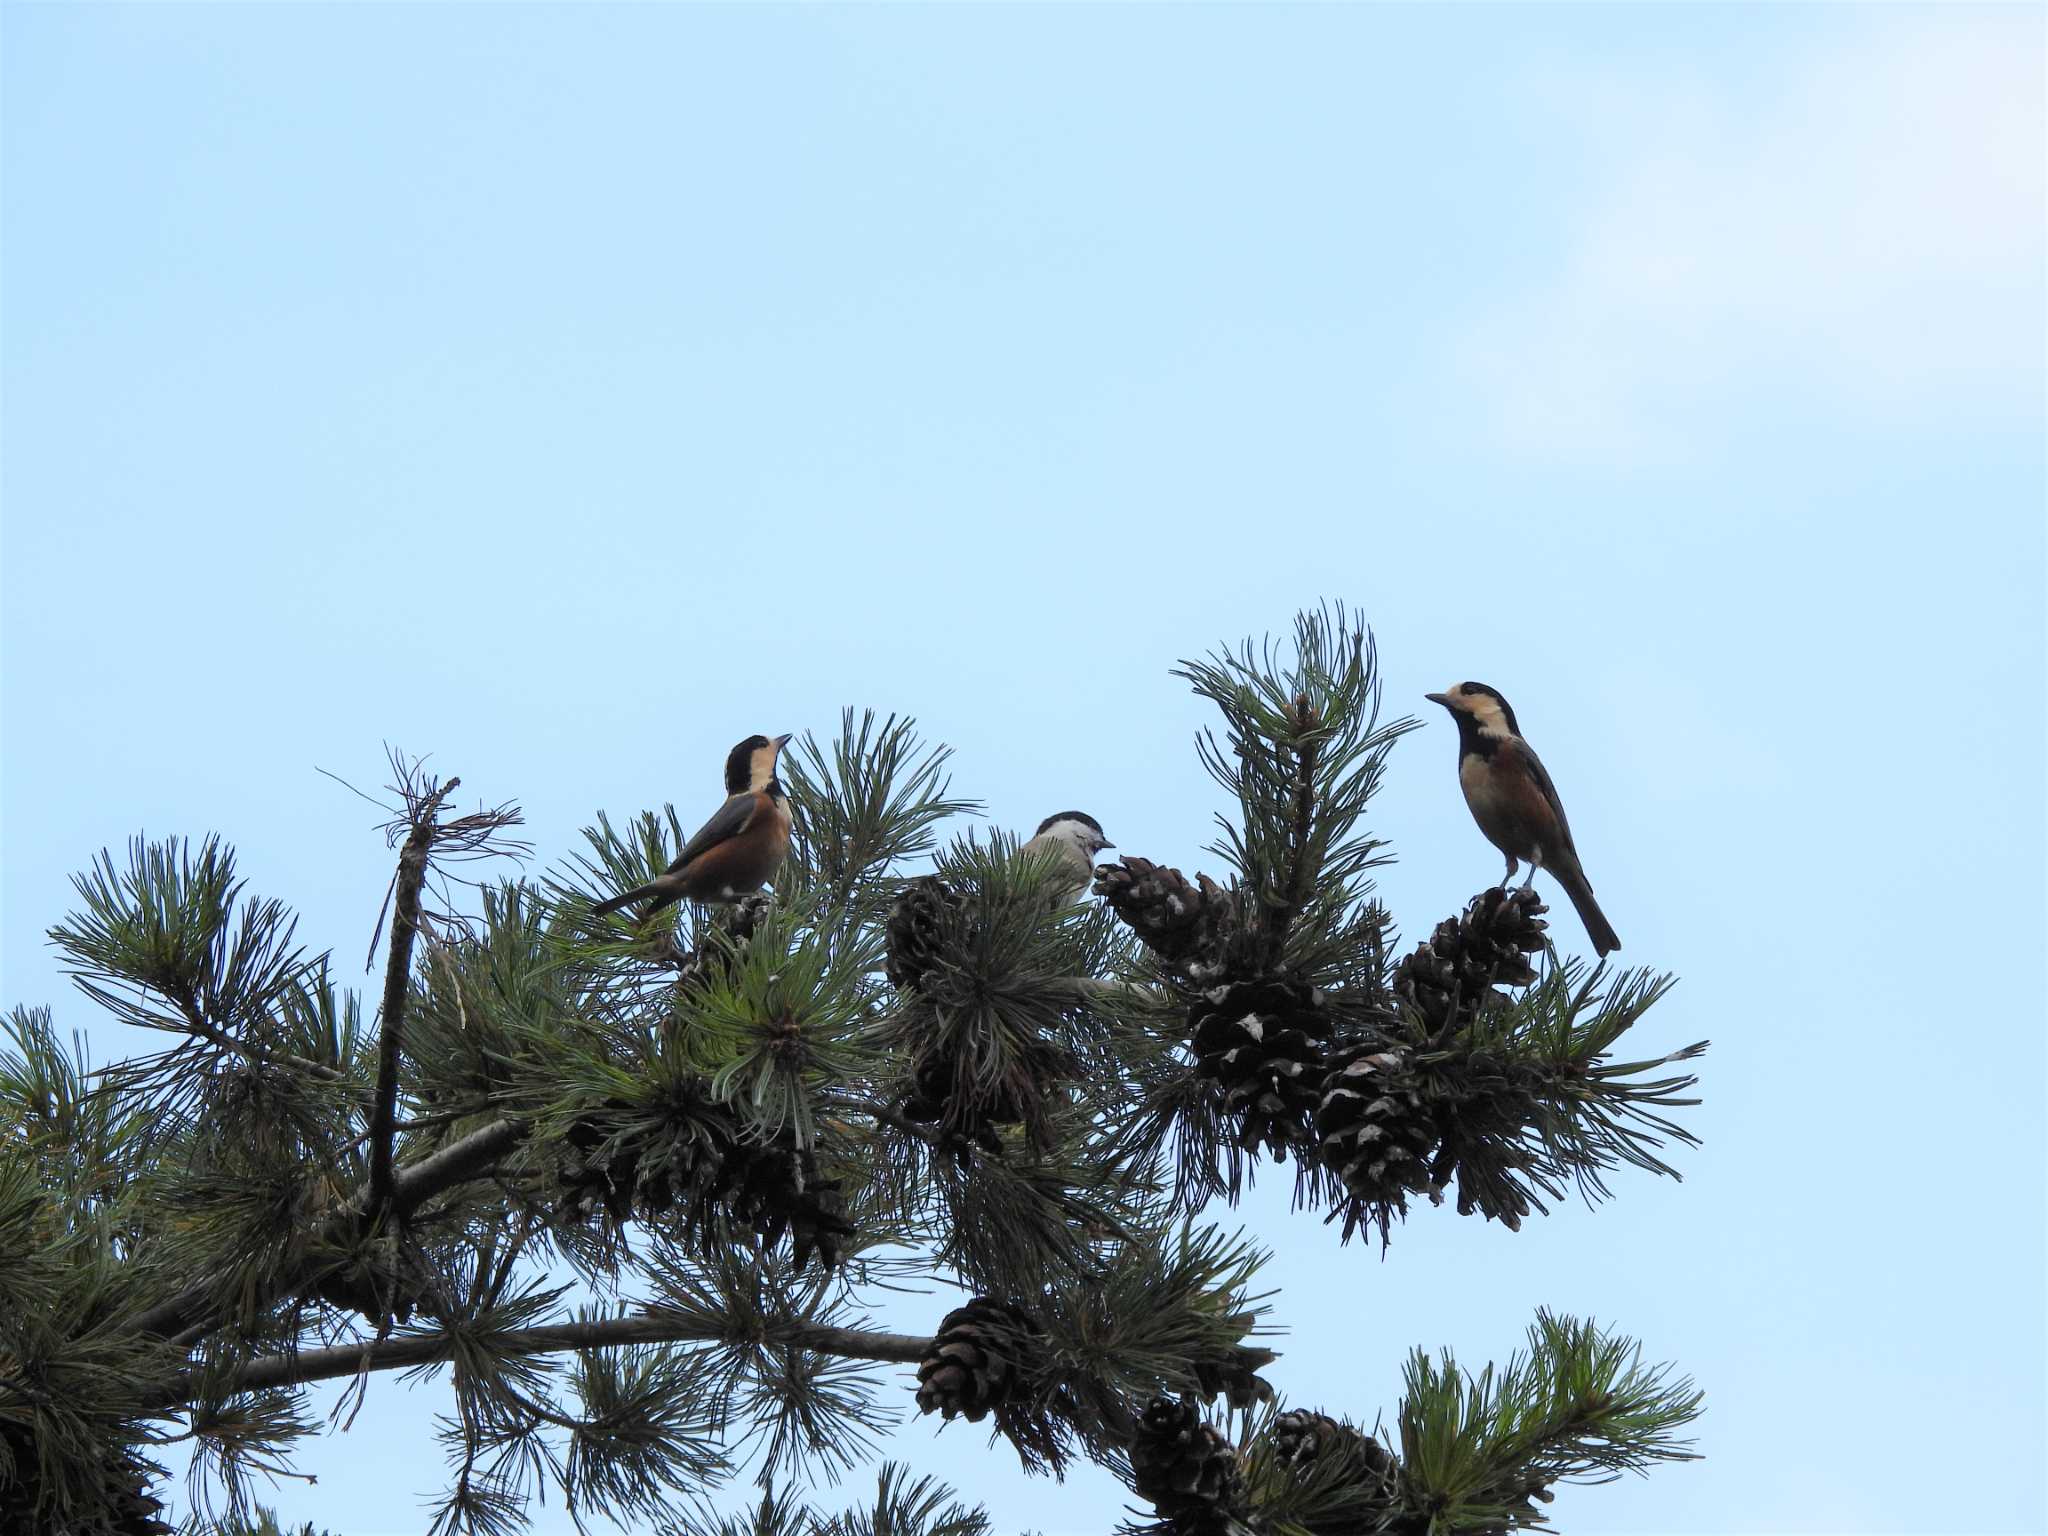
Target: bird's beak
<point>1100,846</point>
<point>1439,698</point>
<point>783,741</point>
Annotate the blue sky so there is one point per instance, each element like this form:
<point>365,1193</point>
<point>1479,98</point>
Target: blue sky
<point>568,392</point>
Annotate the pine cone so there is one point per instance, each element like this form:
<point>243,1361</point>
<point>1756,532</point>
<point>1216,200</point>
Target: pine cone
<point>1237,1376</point>
<point>126,1506</point>
<point>985,1359</point>
<point>1300,1438</point>
<point>134,1510</point>
<point>976,1360</point>
<point>776,1189</point>
<point>913,935</point>
<point>1183,923</point>
<point>935,1099</point>
<point>707,1169</point>
<point>371,1284</point>
<point>1263,1041</point>
<point>1485,1106</point>
<point>931,1088</point>
<point>1187,1469</point>
<point>709,960</point>
<point>1454,973</point>
<point>1376,1134</point>
<point>597,1169</point>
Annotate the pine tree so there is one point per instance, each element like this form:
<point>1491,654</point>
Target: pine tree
<point>741,1128</point>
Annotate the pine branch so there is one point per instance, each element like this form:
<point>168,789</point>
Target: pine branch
<point>1301,868</point>
<point>1479,1451</point>
<point>872,803</point>
<point>902,1507</point>
<point>1303,754</point>
<point>298,1368</point>
<point>196,1022</point>
<point>161,928</point>
<point>458,1163</point>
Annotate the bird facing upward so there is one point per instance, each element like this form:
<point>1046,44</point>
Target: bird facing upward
<point>1515,803</point>
<point>739,849</point>
<point>1076,837</point>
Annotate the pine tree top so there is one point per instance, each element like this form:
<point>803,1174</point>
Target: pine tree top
<point>740,1128</point>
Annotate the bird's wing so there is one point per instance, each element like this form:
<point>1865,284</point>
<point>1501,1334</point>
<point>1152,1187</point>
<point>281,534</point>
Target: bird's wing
<point>1542,778</point>
<point>728,821</point>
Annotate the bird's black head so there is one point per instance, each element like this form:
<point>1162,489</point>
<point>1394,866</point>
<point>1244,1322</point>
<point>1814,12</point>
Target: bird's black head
<point>1079,829</point>
<point>751,764</point>
<point>1475,706</point>
<point>1081,816</point>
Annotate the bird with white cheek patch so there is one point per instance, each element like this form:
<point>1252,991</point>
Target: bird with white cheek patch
<point>1076,837</point>
<point>1515,803</point>
<point>739,849</point>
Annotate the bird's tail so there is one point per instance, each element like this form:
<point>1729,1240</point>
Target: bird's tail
<point>1580,889</point>
<point>638,893</point>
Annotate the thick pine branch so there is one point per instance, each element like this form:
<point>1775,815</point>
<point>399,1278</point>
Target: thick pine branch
<point>309,1365</point>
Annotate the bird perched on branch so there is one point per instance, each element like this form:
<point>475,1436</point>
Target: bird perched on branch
<point>739,849</point>
<point>1514,801</point>
<point>1076,837</point>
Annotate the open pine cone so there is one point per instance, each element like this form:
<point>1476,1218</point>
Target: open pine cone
<point>987,1358</point>
<point>1301,1438</point>
<point>1455,971</point>
<point>936,1099</point>
<point>912,935</point>
<point>1188,1470</point>
<point>976,1360</point>
<point>1237,1376</point>
<point>1376,1133</point>
<point>776,1189</point>
<point>1263,1041</point>
<point>695,1174</point>
<point>126,1506</point>
<point>1483,1116</point>
<point>378,1284</point>
<point>1183,922</point>
<point>709,960</point>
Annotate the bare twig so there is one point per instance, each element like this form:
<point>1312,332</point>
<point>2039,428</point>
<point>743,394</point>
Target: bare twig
<point>412,874</point>
<point>423,840</point>
<point>344,783</point>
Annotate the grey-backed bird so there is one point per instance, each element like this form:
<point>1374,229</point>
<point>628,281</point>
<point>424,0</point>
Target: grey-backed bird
<point>739,849</point>
<point>1515,803</point>
<point>1076,837</point>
